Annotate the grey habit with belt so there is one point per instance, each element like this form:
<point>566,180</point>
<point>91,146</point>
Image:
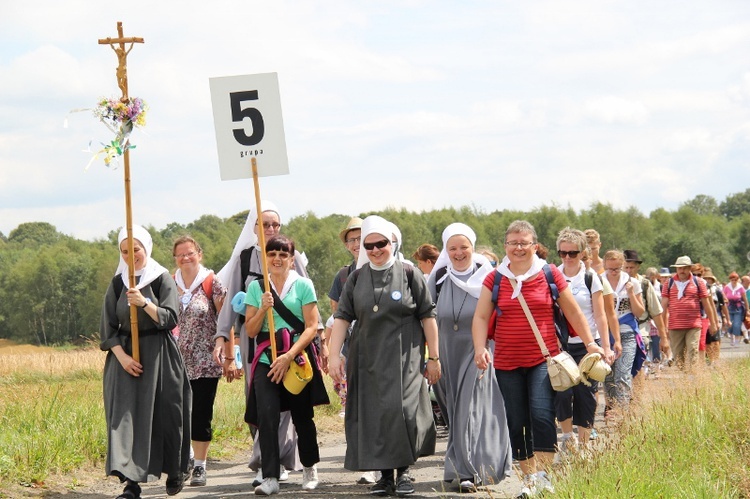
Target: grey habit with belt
<point>388,418</point>
<point>148,417</point>
<point>478,440</point>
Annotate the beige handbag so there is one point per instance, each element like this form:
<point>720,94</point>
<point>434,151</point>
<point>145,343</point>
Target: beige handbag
<point>562,369</point>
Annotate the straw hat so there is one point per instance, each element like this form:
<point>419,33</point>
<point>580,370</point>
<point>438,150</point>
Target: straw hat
<point>298,376</point>
<point>707,274</point>
<point>592,366</point>
<point>683,261</point>
<point>354,223</point>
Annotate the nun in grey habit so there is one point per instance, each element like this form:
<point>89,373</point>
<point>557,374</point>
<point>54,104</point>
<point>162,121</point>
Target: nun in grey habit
<point>147,402</point>
<point>388,418</point>
<point>478,448</point>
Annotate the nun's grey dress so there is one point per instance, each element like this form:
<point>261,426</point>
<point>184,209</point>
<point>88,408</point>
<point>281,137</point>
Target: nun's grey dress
<point>478,441</point>
<point>148,417</point>
<point>388,418</point>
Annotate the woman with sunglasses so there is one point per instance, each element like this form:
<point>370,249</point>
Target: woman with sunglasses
<point>268,397</point>
<point>577,405</point>
<point>478,443</point>
<point>618,386</point>
<point>388,418</point>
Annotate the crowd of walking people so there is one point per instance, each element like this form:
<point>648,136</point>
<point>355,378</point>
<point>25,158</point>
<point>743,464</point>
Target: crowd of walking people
<point>475,329</point>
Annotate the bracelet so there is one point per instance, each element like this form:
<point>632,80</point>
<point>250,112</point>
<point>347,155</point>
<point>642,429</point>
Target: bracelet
<point>433,358</point>
<point>228,358</point>
<point>590,343</point>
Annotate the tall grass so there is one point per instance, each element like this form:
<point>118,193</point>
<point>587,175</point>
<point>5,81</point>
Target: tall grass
<point>686,436</point>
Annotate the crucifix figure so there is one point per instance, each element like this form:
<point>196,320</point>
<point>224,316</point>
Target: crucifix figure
<point>122,56</point>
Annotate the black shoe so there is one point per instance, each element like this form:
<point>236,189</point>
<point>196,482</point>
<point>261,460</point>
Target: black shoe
<point>199,477</point>
<point>131,491</point>
<point>383,487</point>
<point>175,484</point>
<point>404,486</point>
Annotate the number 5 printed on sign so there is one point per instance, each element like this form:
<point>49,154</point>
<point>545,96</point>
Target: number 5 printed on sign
<point>248,124</point>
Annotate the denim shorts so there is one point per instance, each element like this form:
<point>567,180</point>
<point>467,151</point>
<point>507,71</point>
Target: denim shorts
<point>530,409</point>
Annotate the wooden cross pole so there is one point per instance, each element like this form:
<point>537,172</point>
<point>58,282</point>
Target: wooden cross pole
<point>118,45</point>
<point>263,259</point>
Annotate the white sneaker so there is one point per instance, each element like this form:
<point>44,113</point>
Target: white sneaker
<point>309,478</point>
<point>258,478</point>
<point>367,478</point>
<point>283,474</point>
<point>529,489</point>
<point>268,487</point>
<point>543,482</point>
<point>568,444</point>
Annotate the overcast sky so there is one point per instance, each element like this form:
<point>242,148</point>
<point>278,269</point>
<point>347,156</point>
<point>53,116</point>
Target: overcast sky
<point>416,104</point>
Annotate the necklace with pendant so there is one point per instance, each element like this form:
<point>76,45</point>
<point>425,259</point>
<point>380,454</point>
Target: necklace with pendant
<point>376,307</point>
<point>453,307</point>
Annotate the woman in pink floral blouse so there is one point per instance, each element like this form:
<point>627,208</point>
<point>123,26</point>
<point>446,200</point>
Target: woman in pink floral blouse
<point>196,324</point>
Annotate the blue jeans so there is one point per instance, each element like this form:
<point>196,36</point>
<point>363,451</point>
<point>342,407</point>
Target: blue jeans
<point>736,318</point>
<point>618,385</point>
<point>530,409</point>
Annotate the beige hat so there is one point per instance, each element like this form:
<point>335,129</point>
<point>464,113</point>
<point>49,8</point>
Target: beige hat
<point>354,223</point>
<point>683,261</point>
<point>592,366</point>
<point>707,274</point>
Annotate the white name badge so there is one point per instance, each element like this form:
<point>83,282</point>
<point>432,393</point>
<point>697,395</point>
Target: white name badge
<point>248,123</point>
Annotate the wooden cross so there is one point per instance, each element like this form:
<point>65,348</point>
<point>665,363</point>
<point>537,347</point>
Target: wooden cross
<point>122,56</point>
<point>122,82</point>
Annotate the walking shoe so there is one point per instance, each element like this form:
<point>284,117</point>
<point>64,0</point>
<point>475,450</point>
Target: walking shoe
<point>383,487</point>
<point>175,484</point>
<point>529,488</point>
<point>467,486</point>
<point>309,478</point>
<point>283,474</point>
<point>267,487</point>
<point>368,477</point>
<point>568,444</point>
<point>199,477</point>
<point>543,482</point>
<point>404,486</point>
<point>594,434</point>
<point>258,478</point>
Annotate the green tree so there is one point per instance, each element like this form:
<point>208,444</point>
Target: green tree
<point>736,205</point>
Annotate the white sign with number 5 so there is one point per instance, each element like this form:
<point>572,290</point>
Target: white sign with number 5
<point>248,123</point>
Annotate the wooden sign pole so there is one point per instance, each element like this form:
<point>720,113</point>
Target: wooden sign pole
<point>118,45</point>
<point>263,260</point>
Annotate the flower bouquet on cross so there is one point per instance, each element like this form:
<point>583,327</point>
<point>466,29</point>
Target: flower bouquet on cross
<point>120,116</point>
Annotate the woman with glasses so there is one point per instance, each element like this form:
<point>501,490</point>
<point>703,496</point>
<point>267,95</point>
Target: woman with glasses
<point>618,386</point>
<point>388,418</point>
<point>520,365</point>
<point>478,444</point>
<point>201,297</point>
<point>577,405</point>
<point>146,401</point>
<point>268,397</point>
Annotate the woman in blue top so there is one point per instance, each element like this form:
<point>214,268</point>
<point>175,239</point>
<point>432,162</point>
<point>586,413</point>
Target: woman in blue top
<point>298,295</point>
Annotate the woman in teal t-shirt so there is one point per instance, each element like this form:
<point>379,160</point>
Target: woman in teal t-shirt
<point>298,295</point>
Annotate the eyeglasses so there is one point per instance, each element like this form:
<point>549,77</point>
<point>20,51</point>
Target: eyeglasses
<point>618,269</point>
<point>518,244</point>
<point>571,254</point>
<point>269,225</point>
<point>186,255</point>
<point>379,244</point>
<point>353,240</point>
<point>277,254</point>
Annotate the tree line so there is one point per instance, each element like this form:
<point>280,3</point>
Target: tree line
<point>52,285</point>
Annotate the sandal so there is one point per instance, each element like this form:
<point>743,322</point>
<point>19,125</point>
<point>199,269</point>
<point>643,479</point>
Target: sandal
<point>131,491</point>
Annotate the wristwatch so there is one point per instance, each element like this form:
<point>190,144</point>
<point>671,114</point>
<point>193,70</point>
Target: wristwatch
<point>148,300</point>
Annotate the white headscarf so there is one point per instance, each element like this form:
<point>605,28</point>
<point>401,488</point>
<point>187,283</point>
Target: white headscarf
<point>504,269</point>
<point>473,285</point>
<point>152,270</point>
<point>247,238</point>
<point>375,225</point>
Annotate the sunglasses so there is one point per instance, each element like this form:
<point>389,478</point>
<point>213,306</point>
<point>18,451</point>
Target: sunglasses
<point>379,244</point>
<point>571,254</point>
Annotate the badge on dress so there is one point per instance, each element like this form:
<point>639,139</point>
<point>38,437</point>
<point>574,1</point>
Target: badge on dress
<point>396,295</point>
<point>185,298</point>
